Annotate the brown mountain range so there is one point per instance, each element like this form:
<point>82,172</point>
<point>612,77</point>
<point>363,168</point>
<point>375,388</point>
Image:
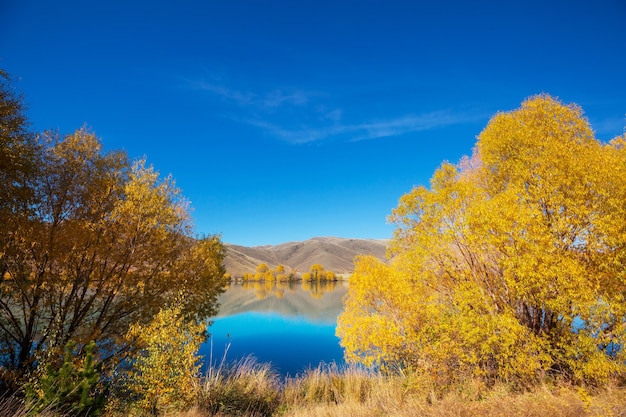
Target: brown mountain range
<point>333,253</point>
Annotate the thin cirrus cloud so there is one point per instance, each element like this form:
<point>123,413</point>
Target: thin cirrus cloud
<point>272,100</point>
<point>276,113</point>
<point>367,130</point>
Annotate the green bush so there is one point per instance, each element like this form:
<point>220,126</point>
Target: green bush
<point>73,388</point>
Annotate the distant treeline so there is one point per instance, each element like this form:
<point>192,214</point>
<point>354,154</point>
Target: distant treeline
<point>263,272</point>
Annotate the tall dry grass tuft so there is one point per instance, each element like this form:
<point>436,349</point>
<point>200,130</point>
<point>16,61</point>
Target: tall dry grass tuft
<point>245,387</point>
<point>350,391</point>
<point>329,384</point>
<point>11,406</point>
<point>17,407</point>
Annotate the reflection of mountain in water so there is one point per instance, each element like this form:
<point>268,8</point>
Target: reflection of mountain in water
<point>335,254</point>
<point>319,302</point>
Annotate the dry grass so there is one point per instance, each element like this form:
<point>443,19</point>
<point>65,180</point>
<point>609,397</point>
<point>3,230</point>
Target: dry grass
<point>243,388</point>
<point>329,384</point>
<point>16,407</point>
<point>527,406</point>
<point>394,397</point>
<point>250,389</point>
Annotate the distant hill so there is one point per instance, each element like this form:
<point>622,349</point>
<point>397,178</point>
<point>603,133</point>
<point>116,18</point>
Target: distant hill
<point>333,253</point>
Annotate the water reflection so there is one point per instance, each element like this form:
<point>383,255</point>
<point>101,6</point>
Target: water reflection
<point>263,289</point>
<point>311,300</point>
<point>290,324</point>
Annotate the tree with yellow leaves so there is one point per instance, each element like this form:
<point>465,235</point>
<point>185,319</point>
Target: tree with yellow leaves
<point>263,272</point>
<point>512,265</point>
<point>18,154</point>
<point>165,373</point>
<point>318,273</point>
<point>98,243</point>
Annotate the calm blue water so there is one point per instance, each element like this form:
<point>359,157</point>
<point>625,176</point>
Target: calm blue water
<point>293,329</point>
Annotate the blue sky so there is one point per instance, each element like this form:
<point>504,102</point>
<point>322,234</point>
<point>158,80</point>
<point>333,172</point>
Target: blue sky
<point>285,120</point>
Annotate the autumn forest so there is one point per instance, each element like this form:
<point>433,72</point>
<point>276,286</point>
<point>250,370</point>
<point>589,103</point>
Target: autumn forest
<point>507,272</point>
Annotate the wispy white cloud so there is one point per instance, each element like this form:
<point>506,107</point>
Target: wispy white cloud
<point>293,136</point>
<point>299,117</point>
<point>279,98</point>
<point>260,101</point>
<point>333,115</point>
<point>238,97</point>
<point>408,124</point>
<point>367,130</point>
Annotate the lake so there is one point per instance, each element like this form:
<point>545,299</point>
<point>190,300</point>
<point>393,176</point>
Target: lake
<point>290,325</point>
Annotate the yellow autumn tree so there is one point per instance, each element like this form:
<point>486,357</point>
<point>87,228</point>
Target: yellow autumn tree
<point>18,156</point>
<point>316,271</point>
<point>282,275</point>
<point>95,244</point>
<point>264,272</point>
<point>261,271</point>
<point>511,265</point>
<point>164,375</point>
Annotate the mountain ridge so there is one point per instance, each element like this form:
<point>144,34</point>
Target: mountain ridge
<point>333,253</point>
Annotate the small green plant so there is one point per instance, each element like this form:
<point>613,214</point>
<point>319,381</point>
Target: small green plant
<point>72,388</point>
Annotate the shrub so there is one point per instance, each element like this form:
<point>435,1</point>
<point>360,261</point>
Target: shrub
<point>164,375</point>
<point>71,388</point>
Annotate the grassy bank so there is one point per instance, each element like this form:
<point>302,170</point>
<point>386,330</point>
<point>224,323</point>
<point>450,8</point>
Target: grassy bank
<point>325,392</point>
<point>251,389</point>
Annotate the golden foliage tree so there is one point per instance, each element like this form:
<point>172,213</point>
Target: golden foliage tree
<point>512,264</point>
<point>18,149</point>
<point>165,372</point>
<point>104,243</point>
<point>318,273</point>
<point>261,271</point>
<point>267,274</point>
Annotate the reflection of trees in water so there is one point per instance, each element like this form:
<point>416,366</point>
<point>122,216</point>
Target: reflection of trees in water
<point>265,280</point>
<point>261,294</point>
<point>317,302</point>
<point>318,288</point>
<point>262,289</point>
